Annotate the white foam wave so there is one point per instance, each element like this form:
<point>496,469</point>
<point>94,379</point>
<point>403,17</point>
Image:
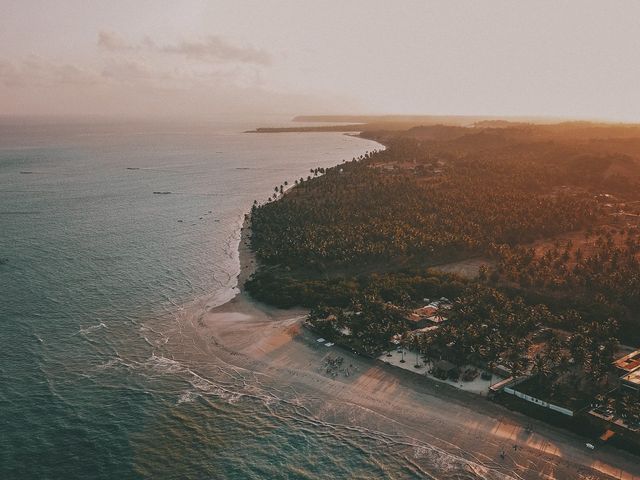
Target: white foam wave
<point>90,329</point>
<point>187,397</point>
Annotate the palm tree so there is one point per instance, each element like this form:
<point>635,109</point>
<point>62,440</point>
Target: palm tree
<point>541,368</point>
<point>403,344</point>
<point>426,347</point>
<point>417,365</point>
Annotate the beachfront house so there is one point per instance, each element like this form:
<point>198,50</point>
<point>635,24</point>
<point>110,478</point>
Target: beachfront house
<point>629,367</point>
<point>618,412</point>
<point>524,392</point>
<point>631,382</point>
<point>628,363</point>
<point>434,313</point>
<point>429,329</point>
<point>417,321</point>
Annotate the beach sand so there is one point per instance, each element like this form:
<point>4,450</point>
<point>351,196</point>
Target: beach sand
<point>270,351</point>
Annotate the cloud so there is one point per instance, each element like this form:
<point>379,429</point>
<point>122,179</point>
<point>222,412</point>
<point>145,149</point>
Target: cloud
<point>204,78</point>
<point>34,71</point>
<point>113,42</point>
<point>210,49</point>
<point>210,62</point>
<point>216,48</point>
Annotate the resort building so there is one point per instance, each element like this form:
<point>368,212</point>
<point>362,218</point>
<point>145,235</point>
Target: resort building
<point>631,382</point>
<point>628,363</point>
<point>434,313</point>
<point>629,366</point>
<point>418,321</point>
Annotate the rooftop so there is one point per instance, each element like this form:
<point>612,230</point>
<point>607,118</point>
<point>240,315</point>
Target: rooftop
<point>437,318</point>
<point>629,362</point>
<point>413,317</point>
<point>632,377</point>
<point>426,311</point>
<point>424,330</point>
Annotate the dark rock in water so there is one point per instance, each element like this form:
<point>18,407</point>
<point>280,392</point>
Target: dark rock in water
<point>161,193</point>
<point>133,168</point>
<point>26,173</point>
<point>4,261</point>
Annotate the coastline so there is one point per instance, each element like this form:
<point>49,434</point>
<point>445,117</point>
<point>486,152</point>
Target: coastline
<point>279,360</point>
<point>247,257</point>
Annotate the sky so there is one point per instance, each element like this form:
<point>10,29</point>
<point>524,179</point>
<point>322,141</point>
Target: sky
<point>236,59</point>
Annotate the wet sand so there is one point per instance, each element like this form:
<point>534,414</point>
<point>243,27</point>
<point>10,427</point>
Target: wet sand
<point>267,350</point>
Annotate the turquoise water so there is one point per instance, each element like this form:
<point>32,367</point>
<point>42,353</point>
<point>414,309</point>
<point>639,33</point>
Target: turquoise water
<point>89,253</point>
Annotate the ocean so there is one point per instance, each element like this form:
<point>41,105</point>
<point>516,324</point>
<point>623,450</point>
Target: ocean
<point>92,259</point>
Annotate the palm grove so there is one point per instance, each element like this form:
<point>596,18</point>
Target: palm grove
<point>550,210</point>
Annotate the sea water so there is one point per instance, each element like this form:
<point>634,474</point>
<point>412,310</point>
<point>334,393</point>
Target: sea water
<point>89,253</point>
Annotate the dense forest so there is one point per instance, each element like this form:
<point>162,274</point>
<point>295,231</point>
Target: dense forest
<point>551,208</point>
<point>360,212</point>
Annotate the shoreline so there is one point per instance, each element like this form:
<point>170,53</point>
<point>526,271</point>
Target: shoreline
<point>248,338</point>
<point>247,257</point>
<point>269,346</point>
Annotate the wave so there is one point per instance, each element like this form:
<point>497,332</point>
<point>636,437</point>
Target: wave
<point>187,397</point>
<point>91,329</point>
<point>235,386</point>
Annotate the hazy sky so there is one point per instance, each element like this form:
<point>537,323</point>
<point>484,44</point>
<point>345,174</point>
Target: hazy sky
<point>213,58</point>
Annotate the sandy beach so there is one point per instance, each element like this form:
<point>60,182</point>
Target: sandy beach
<point>265,353</point>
